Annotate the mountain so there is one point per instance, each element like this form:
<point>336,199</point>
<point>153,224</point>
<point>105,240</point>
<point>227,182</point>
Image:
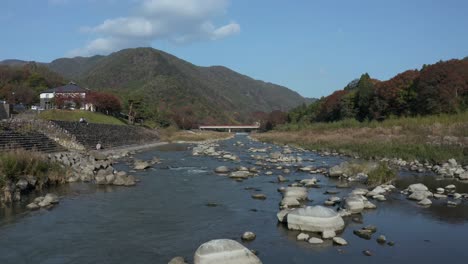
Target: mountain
<point>168,85</point>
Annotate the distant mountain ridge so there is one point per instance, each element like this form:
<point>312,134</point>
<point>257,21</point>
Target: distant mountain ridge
<point>172,86</point>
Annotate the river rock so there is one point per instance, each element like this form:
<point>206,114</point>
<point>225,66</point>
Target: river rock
<point>381,239</point>
<point>248,236</point>
<point>463,176</point>
<point>22,184</point>
<point>425,202</point>
<point>100,179</point>
<point>440,190</point>
<point>224,251</point>
<point>259,196</point>
<point>363,233</point>
<point>339,241</point>
<point>110,179</point>
<point>328,234</point>
<point>299,193</point>
<point>450,187</point>
<point>315,240</point>
<point>440,196</point>
<point>281,215</point>
<point>309,182</point>
<point>141,165</point>
<point>417,187</point>
<point>222,169</point>
<point>282,179</point>
<point>336,171</point>
<point>354,204</point>
<point>177,260</point>
<point>419,196</point>
<point>369,205</point>
<point>51,198</point>
<point>239,174</point>
<point>315,219</point>
<point>130,180</point>
<point>302,237</point>
<point>289,202</point>
<point>33,206</point>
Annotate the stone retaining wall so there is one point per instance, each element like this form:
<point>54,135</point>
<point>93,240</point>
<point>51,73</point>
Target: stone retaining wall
<point>89,135</point>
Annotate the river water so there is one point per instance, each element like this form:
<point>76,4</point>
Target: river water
<point>166,215</point>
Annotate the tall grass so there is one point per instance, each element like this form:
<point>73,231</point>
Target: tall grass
<point>16,164</point>
<point>422,138</point>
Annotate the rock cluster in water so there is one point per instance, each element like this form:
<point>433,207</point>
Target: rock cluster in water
<point>224,251</point>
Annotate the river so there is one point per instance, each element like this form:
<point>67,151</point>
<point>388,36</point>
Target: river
<point>166,215</point>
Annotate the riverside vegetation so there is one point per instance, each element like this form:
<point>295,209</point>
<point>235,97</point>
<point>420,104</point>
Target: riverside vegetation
<point>22,170</point>
<point>431,138</point>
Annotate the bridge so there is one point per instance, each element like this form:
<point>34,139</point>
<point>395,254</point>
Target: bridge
<point>229,128</point>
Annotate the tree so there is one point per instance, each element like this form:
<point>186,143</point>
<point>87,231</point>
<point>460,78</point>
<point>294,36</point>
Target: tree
<point>104,102</point>
<point>364,97</point>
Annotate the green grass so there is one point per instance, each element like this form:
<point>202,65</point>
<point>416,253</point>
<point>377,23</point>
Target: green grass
<point>75,115</point>
<point>382,174</point>
<point>15,164</point>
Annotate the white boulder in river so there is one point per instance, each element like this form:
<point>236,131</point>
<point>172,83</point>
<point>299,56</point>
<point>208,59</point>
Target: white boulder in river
<point>224,251</point>
<point>315,219</point>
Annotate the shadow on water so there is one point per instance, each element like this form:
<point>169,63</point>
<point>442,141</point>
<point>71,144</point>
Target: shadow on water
<point>181,203</point>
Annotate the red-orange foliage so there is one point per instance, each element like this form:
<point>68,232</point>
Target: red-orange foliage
<point>442,87</point>
<point>330,108</point>
<point>104,102</point>
<point>395,92</point>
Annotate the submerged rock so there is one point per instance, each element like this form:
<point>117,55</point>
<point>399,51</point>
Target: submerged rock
<point>224,251</point>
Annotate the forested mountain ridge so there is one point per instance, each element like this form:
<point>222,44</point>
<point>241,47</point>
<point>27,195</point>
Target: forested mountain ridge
<point>438,88</point>
<point>167,87</point>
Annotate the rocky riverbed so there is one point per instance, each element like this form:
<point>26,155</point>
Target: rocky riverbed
<point>237,198</point>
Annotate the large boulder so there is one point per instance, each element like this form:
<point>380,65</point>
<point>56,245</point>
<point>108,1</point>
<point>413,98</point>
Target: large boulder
<point>315,219</point>
<point>224,251</point>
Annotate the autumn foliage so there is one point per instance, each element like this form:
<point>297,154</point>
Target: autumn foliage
<point>435,89</point>
<point>104,102</point>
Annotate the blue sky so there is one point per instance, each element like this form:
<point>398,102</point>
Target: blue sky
<point>312,47</point>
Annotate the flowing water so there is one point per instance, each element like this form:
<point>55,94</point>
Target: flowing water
<point>166,215</point>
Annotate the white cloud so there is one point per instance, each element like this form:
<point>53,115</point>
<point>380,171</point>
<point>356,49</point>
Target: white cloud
<point>177,21</point>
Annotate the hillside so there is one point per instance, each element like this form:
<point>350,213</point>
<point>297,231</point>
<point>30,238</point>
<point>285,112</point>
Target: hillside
<point>23,81</point>
<point>440,88</point>
<point>167,86</point>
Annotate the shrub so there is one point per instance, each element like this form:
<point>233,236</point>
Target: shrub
<point>380,175</point>
<point>15,164</point>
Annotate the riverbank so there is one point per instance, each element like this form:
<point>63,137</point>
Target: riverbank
<point>434,139</point>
